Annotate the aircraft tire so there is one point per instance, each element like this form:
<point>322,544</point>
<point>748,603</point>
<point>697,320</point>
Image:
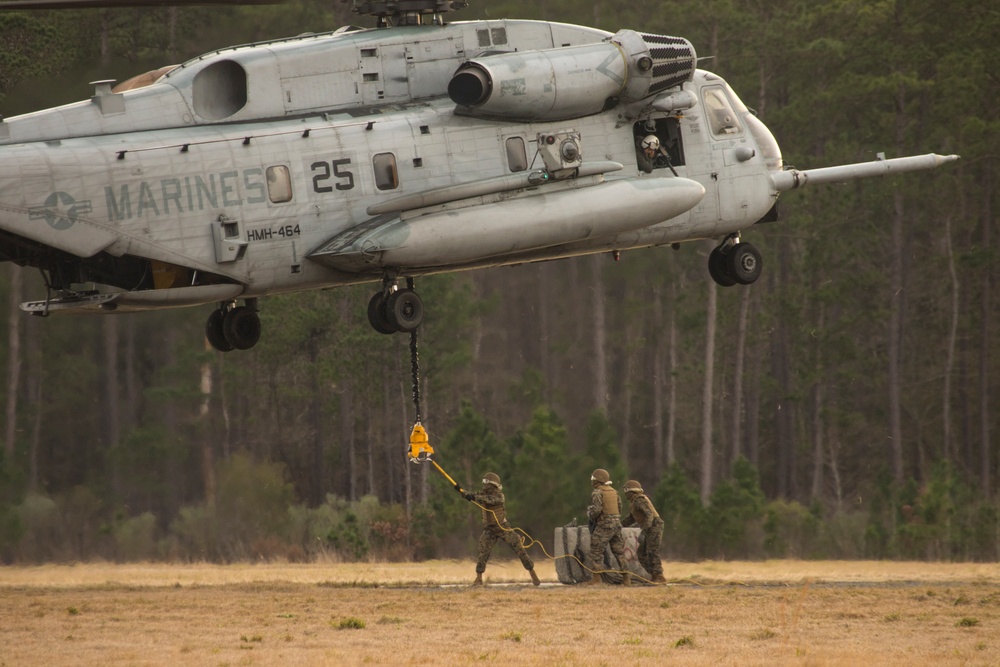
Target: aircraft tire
<point>214,333</point>
<point>404,310</point>
<point>241,325</point>
<point>376,315</point>
<point>718,267</point>
<point>744,263</point>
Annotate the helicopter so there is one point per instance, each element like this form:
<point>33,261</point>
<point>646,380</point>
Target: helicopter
<point>379,155</point>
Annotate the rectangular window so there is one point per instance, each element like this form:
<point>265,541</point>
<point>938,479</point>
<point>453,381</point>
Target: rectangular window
<point>279,184</point>
<point>517,158</point>
<point>386,176</point>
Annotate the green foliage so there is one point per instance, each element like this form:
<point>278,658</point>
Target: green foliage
<point>347,538</point>
<point>22,38</point>
<point>539,493</point>
<point>251,505</point>
<point>790,530</point>
<point>42,537</point>
<point>193,532</point>
<point>678,501</point>
<point>248,518</point>
<point>734,514</point>
<point>11,495</point>
<point>602,450</point>
<point>135,538</point>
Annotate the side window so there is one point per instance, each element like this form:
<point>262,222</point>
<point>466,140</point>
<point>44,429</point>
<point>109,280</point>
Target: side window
<point>386,176</point>
<point>279,184</point>
<point>517,157</point>
<point>721,117</point>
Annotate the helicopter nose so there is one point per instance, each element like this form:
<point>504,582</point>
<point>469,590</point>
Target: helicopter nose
<point>766,142</point>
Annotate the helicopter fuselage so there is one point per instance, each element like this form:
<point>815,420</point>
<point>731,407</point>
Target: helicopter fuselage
<point>344,158</point>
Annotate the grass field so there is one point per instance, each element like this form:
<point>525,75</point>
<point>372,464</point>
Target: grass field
<point>761,613</point>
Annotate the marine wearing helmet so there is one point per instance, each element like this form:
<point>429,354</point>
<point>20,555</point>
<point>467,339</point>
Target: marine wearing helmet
<point>604,514</point>
<point>642,513</point>
<point>495,527</point>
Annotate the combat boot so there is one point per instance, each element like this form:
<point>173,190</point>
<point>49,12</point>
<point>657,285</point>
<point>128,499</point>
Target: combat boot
<point>479,579</point>
<point>658,579</point>
<point>534,578</point>
<point>593,581</point>
<point>627,579</point>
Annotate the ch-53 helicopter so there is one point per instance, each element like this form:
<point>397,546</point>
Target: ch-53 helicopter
<point>416,147</point>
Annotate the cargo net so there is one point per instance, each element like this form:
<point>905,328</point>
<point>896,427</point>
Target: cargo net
<point>572,545</point>
<point>674,61</point>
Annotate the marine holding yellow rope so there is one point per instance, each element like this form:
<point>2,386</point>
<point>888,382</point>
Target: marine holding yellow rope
<point>496,527</point>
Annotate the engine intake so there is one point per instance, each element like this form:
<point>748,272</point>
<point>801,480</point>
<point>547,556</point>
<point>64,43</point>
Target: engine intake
<point>572,81</point>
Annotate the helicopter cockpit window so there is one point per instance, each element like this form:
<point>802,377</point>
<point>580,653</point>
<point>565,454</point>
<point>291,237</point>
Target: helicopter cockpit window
<point>220,90</point>
<point>279,184</point>
<point>517,158</point>
<point>721,116</point>
<point>386,176</point>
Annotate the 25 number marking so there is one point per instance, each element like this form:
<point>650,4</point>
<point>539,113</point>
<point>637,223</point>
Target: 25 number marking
<point>324,172</point>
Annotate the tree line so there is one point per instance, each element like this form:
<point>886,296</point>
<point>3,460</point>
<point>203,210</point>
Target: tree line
<point>841,406</point>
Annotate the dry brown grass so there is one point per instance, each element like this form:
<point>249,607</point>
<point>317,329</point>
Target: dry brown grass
<point>778,612</point>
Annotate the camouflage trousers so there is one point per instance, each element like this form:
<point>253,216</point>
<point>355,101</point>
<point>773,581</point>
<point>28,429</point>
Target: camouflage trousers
<point>607,531</point>
<point>648,552</point>
<point>503,532</point>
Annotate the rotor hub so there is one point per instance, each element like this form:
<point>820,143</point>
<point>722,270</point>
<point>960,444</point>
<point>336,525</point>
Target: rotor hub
<point>406,12</point>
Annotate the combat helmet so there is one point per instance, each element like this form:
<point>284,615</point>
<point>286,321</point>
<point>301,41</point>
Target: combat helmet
<point>650,142</point>
<point>600,476</point>
<point>632,486</point>
<point>492,478</point>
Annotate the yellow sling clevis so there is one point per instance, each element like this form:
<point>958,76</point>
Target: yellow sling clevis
<point>421,451</point>
<point>420,446</point>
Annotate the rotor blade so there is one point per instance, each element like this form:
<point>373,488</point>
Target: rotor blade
<point>28,5</point>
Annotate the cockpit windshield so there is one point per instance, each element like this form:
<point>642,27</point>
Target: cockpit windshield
<point>727,116</point>
<point>721,116</point>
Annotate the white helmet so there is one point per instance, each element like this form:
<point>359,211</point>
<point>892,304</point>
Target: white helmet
<point>650,142</point>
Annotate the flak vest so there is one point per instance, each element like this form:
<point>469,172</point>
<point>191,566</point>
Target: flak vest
<point>653,515</point>
<point>610,502</point>
<point>494,515</point>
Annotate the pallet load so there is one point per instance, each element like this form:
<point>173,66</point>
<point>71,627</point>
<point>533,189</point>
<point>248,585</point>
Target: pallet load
<point>572,543</point>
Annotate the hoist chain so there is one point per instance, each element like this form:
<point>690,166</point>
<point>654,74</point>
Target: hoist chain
<point>414,364</point>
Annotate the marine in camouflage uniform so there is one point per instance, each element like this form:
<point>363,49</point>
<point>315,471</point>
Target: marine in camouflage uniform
<point>496,527</point>
<point>604,513</point>
<point>642,513</point>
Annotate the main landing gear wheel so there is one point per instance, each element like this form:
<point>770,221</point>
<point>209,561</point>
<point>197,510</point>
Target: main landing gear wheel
<point>213,331</point>
<point>404,310</point>
<point>737,263</point>
<point>233,328</point>
<point>376,314</point>
<point>745,263</point>
<point>241,326</point>
<point>718,262</point>
<point>400,311</point>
